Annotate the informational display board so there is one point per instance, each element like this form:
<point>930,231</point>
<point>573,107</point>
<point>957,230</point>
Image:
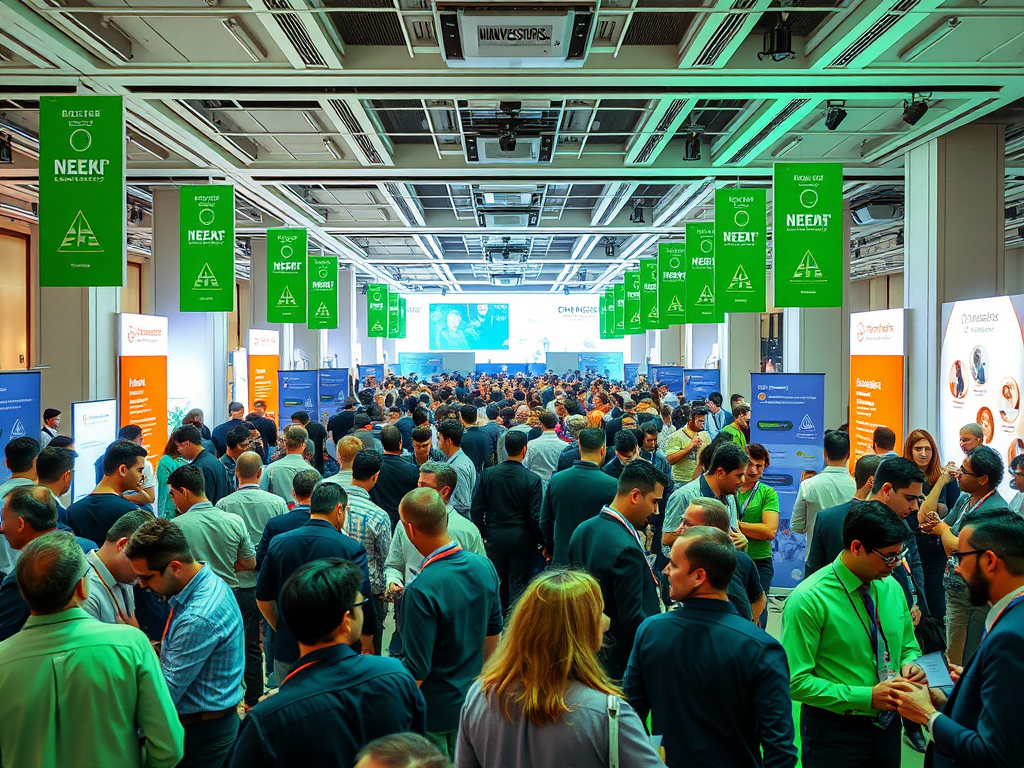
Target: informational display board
<point>741,250</point>
<point>264,362</point>
<point>20,411</point>
<point>142,390</point>
<point>323,292</point>
<point>298,391</point>
<point>605,364</point>
<point>980,375</point>
<point>365,371</point>
<point>788,418</point>
<point>424,365</point>
<point>93,428</point>
<point>631,373</point>
<point>876,378</point>
<point>672,376</point>
<point>334,390</point>
<point>468,326</point>
<point>701,382</point>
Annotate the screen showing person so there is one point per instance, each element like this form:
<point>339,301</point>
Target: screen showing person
<point>468,326</point>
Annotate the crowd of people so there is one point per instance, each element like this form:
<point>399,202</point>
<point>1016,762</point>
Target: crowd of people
<point>504,572</point>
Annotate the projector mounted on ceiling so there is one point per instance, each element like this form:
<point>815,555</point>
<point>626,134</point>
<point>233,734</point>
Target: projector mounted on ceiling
<point>506,280</point>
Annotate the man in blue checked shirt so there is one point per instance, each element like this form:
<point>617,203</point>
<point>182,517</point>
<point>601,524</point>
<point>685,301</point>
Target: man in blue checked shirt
<point>202,650</point>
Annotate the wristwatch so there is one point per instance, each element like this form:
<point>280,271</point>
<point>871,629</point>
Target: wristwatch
<point>928,726</point>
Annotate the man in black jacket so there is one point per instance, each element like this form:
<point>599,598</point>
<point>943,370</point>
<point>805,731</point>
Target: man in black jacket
<point>480,446</point>
<point>609,548</point>
<point>506,509</point>
<point>340,424</point>
<point>397,476</point>
<point>317,433</point>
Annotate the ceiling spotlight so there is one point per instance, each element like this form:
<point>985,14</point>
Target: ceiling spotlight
<point>1020,232</point>
<point>609,246</point>
<point>366,289</point>
<point>6,149</point>
<point>914,110</point>
<point>899,237</point>
<point>507,140</point>
<point>778,41</point>
<point>691,148</point>
<point>444,291</point>
<point>835,114</point>
<point>637,216</point>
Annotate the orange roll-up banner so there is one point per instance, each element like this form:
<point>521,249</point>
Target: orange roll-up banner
<point>876,378</point>
<point>264,361</point>
<point>142,390</point>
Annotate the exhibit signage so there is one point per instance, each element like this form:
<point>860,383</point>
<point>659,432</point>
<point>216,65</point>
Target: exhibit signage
<point>807,234</point>
<point>142,394</point>
<point>424,365</point>
<point>82,203</point>
<point>619,292</point>
<point>323,292</point>
<point>606,364</point>
<point>297,391</point>
<point>741,250</point>
<point>20,410</point>
<point>264,362</point>
<point>672,283</point>
<point>701,382</point>
<point>650,317</point>
<point>334,390</point>
<point>366,371</point>
<point>602,314</point>
<point>393,315</point>
<point>286,275</point>
<point>876,378</point>
<point>631,289</point>
<point>700,273</point>
<point>631,373</point>
<point>402,317</point>
<point>93,428</point>
<point>207,248</point>
<point>672,376</point>
<point>377,310</point>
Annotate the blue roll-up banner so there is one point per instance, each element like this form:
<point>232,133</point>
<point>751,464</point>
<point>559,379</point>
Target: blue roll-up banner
<point>788,418</point>
<point>631,373</point>
<point>333,384</point>
<point>298,391</point>
<point>605,364</point>
<point>377,371</point>
<point>422,364</point>
<point>701,382</point>
<point>672,376</point>
<point>20,410</point>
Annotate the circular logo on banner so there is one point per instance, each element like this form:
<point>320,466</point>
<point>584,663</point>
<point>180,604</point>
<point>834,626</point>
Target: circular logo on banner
<point>131,335</point>
<point>287,251</point>
<point>860,332</point>
<point>742,218</point>
<point>206,216</point>
<point>674,262</point>
<point>80,140</point>
<point>706,245</point>
<point>808,198</point>
<point>323,273</point>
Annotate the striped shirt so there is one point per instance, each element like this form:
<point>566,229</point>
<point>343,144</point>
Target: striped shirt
<point>370,526</point>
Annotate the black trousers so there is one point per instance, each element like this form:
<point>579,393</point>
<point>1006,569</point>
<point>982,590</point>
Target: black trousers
<point>513,552</point>
<point>765,573</point>
<point>251,617</point>
<point>834,741</point>
<point>208,743</point>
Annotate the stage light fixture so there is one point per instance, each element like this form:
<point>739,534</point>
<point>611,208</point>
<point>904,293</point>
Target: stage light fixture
<point>899,237</point>
<point>609,247</point>
<point>6,148</point>
<point>778,41</point>
<point>691,148</point>
<point>834,115</point>
<point>637,216</point>
<point>913,110</point>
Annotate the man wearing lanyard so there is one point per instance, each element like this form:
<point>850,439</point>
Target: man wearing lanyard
<point>202,651</point>
<point>758,513</point>
<point>451,615</point>
<point>608,547</point>
<point>850,641</point>
<point>111,598</point>
<point>979,724</point>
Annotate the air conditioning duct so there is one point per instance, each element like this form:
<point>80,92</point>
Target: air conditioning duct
<point>529,150</point>
<point>508,219</point>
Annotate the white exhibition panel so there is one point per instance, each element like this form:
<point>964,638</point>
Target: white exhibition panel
<point>93,428</point>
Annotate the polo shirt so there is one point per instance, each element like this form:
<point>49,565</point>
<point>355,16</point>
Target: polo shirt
<point>330,707</point>
<point>296,518</point>
<point>257,508</point>
<point>277,476</point>
<point>216,537</point>
<point>109,601</point>
<point>403,561</point>
<point>683,470</point>
<point>680,500</point>
<point>214,477</point>
<point>448,611</point>
<point>751,506</point>
<point>92,516</point>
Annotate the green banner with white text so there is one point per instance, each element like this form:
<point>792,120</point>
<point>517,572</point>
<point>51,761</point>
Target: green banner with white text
<point>602,314</point>
<point>206,269</point>
<point>377,310</point>
<point>286,275</point>
<point>631,283</point>
<point>82,205</point>
<point>402,313</point>
<point>807,234</point>
<point>741,250</point>
<point>700,273</point>
<point>619,292</point>
<point>650,318</point>
<point>672,283</point>
<point>323,292</point>
<point>393,315</point>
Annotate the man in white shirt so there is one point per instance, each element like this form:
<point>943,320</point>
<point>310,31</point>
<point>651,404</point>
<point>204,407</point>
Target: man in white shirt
<point>111,599</point>
<point>829,488</point>
<point>277,477</point>
<point>348,447</point>
<point>51,420</point>
<point>542,453</point>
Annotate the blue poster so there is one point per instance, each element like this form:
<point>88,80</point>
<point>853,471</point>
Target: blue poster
<point>333,391</point>
<point>297,391</point>
<point>20,412</point>
<point>672,376</point>
<point>395,369</point>
<point>422,364</point>
<point>608,365</point>
<point>788,418</point>
<point>377,371</point>
<point>631,373</point>
<point>701,382</point>
<point>536,369</point>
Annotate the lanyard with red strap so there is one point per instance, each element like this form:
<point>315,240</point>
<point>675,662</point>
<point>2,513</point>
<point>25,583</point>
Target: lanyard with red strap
<point>296,671</point>
<point>625,524</point>
<point>167,626</point>
<point>121,614</point>
<point>451,550</point>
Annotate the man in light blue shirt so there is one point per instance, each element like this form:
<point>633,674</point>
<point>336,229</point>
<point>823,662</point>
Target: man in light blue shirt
<point>449,440</point>
<point>717,418</point>
<point>277,477</point>
<point>829,488</point>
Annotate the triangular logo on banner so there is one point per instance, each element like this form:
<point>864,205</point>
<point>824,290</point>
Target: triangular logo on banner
<point>706,296</point>
<point>740,281</point>
<point>18,430</point>
<point>806,428</point>
<point>286,300</point>
<point>80,237</point>
<point>308,402</point>
<point>653,314</point>
<point>322,311</point>
<point>377,327</point>
<point>205,278</point>
<point>635,320</point>
<point>676,305</point>
<point>808,270</point>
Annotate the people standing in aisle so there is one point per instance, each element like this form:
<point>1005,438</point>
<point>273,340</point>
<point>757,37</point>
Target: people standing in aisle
<point>317,433</point>
<point>725,472</point>
<point>626,450</point>
<point>20,459</point>
<point>477,444</point>
<point>423,446</point>
<point>51,421</point>
<point>609,548</point>
<point>730,707</point>
<point>506,508</point>
<point>237,442</point>
<point>757,511</point>
<point>202,651</point>
<point>818,555</point>
<point>91,516</point>
<point>55,468</point>
<point>449,440</point>
<point>75,691</point>
<point>546,704</point>
<point>542,453</point>
<point>494,430</point>
<point>265,425</point>
<point>717,418</point>
<point>302,489</point>
<point>850,641</point>
<point>739,426</point>
<point>397,476</point>
<point>169,461</point>
<point>829,488</point>
<point>236,413</point>
<point>336,700</point>
<point>277,477</point>
<point>883,442</point>
<point>684,445</point>
<point>111,598</point>
<point>451,615</point>
<point>190,447</point>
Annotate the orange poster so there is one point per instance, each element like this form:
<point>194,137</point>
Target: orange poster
<point>876,378</point>
<point>142,390</point>
<point>264,362</point>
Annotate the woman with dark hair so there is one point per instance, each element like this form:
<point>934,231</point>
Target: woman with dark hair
<point>169,461</point>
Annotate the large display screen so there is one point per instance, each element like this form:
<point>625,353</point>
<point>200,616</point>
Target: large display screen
<point>468,326</point>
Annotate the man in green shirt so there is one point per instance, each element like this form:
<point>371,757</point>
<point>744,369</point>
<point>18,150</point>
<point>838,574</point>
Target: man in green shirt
<point>757,506</point>
<point>740,421</point>
<point>73,690</point>
<point>849,637</point>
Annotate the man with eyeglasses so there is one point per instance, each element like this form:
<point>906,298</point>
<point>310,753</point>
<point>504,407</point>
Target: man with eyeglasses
<point>1016,482</point>
<point>849,637</point>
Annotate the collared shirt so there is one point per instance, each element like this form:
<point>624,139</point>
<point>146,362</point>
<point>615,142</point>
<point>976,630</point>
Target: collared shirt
<point>542,455</point>
<point>757,501</point>
<point>680,500</point>
<point>216,537</point>
<point>93,686</point>
<point>999,606</point>
<point>215,476</point>
<point>829,488</point>
<point>277,476</point>
<point>9,555</point>
<point>257,508</point>
<point>404,560</point>
<point>826,634</point>
<point>716,422</point>
<point>370,526</point>
<point>109,601</point>
<point>462,495</point>
<point>203,652</point>
<point>296,517</point>
<point>343,477</point>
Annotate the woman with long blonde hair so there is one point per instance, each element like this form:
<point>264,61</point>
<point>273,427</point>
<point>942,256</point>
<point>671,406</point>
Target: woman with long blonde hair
<point>542,700</point>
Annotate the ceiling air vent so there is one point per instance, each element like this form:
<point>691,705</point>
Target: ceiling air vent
<point>295,31</point>
<point>896,13</point>
<point>763,134</point>
<point>356,130</point>
<point>510,219</point>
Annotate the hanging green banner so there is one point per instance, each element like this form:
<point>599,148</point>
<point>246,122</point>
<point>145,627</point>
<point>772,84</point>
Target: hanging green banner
<point>323,292</point>
<point>672,283</point>
<point>401,317</point>
<point>377,310</point>
<point>700,273</point>
<point>741,255</point>
<point>631,287</point>
<point>393,313</point>
<point>807,234</point>
<point>609,314</point>
<point>206,271</point>
<point>619,292</point>
<point>650,318</point>
<point>82,205</point>
<point>286,275</point>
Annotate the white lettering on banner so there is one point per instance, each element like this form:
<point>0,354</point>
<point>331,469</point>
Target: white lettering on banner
<point>136,382</point>
<point>80,113</point>
<point>701,262</point>
<point>673,275</point>
<point>80,167</point>
<point>808,219</point>
<point>869,384</point>
<point>206,235</point>
<point>322,285</point>
<point>577,310</point>
<point>740,237</point>
<point>742,200</point>
<point>287,266</point>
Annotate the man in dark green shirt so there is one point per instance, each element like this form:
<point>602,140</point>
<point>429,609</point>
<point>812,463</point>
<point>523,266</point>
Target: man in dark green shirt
<point>849,637</point>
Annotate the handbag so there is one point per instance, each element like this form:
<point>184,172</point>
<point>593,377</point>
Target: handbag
<point>613,731</point>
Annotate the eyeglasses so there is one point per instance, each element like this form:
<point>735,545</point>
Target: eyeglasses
<point>963,471</point>
<point>361,604</point>
<point>890,559</point>
<point>959,556</point>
